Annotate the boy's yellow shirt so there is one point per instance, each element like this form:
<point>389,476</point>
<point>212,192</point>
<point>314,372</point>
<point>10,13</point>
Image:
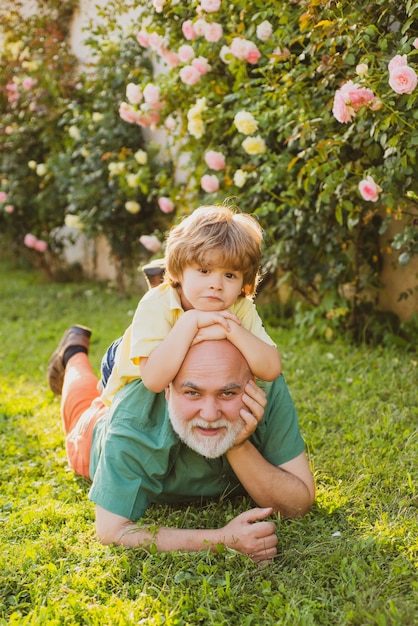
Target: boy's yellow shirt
<point>156,314</point>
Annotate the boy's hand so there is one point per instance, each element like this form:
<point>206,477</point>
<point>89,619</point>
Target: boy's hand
<point>203,319</point>
<point>212,333</point>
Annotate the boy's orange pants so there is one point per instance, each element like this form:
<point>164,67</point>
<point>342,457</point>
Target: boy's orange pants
<point>81,407</point>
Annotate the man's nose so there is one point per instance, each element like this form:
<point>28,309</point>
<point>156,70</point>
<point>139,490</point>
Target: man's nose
<point>209,410</point>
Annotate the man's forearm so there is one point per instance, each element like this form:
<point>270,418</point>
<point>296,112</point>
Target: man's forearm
<point>248,533</point>
<point>114,529</point>
<point>288,489</point>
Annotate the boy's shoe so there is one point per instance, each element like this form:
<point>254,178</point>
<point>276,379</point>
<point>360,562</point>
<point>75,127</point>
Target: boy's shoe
<point>74,336</point>
<point>154,272</point>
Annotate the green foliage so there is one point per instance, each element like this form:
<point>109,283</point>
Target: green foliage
<point>352,560</point>
<point>36,81</point>
<point>320,232</point>
<point>298,169</point>
<point>97,168</point>
<point>61,133</point>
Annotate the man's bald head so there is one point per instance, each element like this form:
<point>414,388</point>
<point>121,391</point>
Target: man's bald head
<point>210,358</point>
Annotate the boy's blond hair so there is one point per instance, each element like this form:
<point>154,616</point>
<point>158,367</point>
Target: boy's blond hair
<point>234,238</point>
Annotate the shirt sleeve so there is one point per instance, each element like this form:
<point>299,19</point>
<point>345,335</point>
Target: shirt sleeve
<point>132,455</point>
<point>247,313</point>
<point>278,437</point>
<point>153,320</point>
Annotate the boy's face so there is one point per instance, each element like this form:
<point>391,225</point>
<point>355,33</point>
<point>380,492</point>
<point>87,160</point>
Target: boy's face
<point>211,288</point>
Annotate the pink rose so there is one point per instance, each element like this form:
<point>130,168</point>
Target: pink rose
<point>30,240</point>
<point>40,245</point>
<point>360,96</point>
<point>264,31</point>
<point>3,196</point>
<point>215,160</point>
<point>369,190</point>
<point>166,205</point>
<point>127,113</point>
<point>147,120</point>
<point>170,123</point>
<point>12,93</point>
<point>189,75</point>
<point>210,6</point>
<point>209,183</point>
<point>201,65</point>
<point>186,53</point>
<point>9,208</point>
<point>155,41</point>
<point>170,57</point>
<point>239,48</point>
<point>415,43</point>
<point>403,79</point>
<point>188,30</point>
<point>397,61</point>
<point>150,242</point>
<point>199,27</point>
<point>349,99</point>
<point>158,5</point>
<point>133,93</point>
<point>152,95</point>
<point>213,32</point>
<point>143,38</point>
<point>253,55</point>
<point>355,95</point>
<point>342,112</point>
<point>28,83</point>
<point>245,50</point>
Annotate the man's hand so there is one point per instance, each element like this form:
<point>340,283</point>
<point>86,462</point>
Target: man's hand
<point>247,534</point>
<point>252,413</point>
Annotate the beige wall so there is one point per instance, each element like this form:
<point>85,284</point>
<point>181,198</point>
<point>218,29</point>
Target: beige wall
<point>397,279</point>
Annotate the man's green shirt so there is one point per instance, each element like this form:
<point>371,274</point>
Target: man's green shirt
<point>137,459</point>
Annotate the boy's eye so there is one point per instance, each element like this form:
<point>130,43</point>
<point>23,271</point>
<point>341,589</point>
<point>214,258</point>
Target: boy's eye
<point>230,275</point>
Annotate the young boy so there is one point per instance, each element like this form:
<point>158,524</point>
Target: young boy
<point>211,274</point>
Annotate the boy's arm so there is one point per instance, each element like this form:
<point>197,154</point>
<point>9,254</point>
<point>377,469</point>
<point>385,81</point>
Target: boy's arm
<point>264,359</point>
<point>162,365</point>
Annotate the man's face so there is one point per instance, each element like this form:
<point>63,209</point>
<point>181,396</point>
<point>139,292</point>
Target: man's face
<point>205,398</point>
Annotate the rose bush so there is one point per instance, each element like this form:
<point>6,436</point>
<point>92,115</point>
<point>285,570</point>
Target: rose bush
<point>325,96</point>
<point>303,111</point>
<point>66,156</point>
<point>36,81</point>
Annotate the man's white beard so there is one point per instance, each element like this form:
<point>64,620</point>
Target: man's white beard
<point>209,447</point>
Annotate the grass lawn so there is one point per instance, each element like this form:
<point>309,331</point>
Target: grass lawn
<point>351,560</point>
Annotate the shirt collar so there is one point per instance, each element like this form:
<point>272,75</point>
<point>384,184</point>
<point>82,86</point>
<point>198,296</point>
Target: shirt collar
<point>174,299</point>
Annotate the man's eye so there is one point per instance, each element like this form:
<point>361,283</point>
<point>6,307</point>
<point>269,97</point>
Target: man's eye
<point>191,394</point>
<point>228,394</point>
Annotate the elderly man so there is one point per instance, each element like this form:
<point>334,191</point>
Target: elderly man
<point>214,431</point>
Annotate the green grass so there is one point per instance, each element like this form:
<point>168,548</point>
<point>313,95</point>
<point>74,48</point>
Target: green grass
<point>351,560</point>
